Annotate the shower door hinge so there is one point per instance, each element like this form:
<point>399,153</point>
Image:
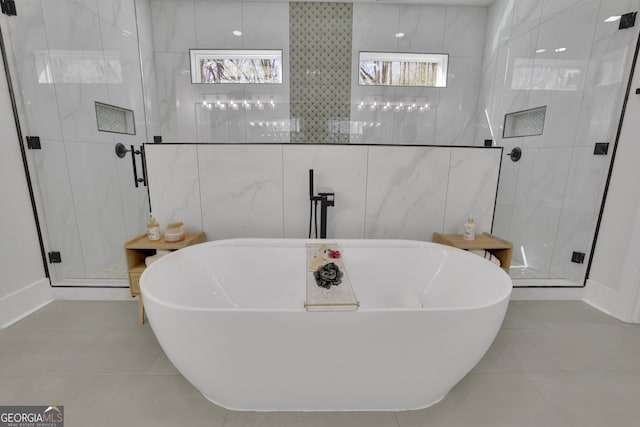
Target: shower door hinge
<point>578,257</point>
<point>601,148</point>
<point>55,257</point>
<point>628,20</point>
<point>33,143</point>
<point>8,7</point>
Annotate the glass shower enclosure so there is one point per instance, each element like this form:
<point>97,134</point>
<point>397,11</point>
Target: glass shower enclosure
<point>67,56</point>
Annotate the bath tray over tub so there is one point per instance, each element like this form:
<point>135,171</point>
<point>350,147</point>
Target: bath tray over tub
<point>334,298</point>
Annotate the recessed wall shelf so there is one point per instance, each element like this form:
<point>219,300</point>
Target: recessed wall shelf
<point>114,119</point>
<point>524,123</point>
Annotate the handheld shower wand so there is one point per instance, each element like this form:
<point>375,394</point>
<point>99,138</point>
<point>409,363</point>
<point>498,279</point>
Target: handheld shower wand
<point>312,200</point>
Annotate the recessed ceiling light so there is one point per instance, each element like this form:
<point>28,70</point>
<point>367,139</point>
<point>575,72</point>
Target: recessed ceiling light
<point>613,18</point>
<point>399,35</point>
<point>237,33</point>
<point>561,49</point>
<point>541,50</point>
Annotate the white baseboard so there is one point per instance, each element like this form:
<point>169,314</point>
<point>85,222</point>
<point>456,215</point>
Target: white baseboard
<point>92,283</point>
<point>545,283</point>
<point>532,294</point>
<point>92,290</point>
<point>92,294</point>
<point>606,300</point>
<point>25,301</point>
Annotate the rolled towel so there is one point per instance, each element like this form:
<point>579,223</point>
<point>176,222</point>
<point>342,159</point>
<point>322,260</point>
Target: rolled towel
<point>153,258</point>
<point>486,255</point>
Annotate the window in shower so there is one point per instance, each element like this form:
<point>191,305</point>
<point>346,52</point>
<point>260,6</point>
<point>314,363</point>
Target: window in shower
<point>524,123</point>
<point>403,69</point>
<point>236,66</point>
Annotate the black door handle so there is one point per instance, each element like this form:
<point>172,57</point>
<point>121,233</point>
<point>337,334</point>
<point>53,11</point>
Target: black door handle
<point>122,151</point>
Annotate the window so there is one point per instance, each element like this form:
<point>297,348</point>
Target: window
<point>403,69</point>
<point>236,66</point>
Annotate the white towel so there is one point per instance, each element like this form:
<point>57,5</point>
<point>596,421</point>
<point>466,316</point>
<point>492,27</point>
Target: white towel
<point>486,255</point>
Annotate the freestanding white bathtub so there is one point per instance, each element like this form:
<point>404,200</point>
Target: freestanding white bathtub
<point>229,315</point>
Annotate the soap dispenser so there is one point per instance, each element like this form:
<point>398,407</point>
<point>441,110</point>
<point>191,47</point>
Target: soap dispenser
<point>469,229</point>
<point>153,229</point>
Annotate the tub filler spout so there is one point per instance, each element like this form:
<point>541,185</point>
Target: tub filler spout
<point>326,198</point>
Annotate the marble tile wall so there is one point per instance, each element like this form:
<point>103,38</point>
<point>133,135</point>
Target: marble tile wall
<point>175,187</point>
<point>248,190</point>
<point>241,190</point>
<point>407,200</point>
<point>70,54</point>
<point>450,119</point>
<point>548,203</point>
<point>341,169</point>
<point>181,113</point>
<point>147,66</point>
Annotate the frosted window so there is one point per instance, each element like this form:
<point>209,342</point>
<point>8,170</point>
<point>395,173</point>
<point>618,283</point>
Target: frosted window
<point>78,66</point>
<point>403,69</point>
<point>236,66</point>
<point>524,123</point>
<point>114,119</point>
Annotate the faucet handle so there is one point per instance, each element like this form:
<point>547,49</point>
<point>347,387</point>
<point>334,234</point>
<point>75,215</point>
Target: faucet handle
<point>328,197</point>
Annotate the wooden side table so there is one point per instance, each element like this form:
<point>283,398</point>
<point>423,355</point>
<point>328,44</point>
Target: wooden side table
<point>141,247</point>
<point>498,247</point>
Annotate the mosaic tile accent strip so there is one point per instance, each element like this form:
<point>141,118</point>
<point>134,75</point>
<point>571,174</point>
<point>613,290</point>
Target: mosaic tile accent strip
<point>320,67</point>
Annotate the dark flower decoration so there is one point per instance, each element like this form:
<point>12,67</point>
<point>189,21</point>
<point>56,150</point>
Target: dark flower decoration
<point>327,275</point>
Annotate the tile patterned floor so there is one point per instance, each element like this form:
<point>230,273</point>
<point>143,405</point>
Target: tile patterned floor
<point>521,272</point>
<point>554,363</point>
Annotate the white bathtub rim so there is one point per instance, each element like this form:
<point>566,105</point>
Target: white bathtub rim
<point>418,244</point>
<point>302,309</point>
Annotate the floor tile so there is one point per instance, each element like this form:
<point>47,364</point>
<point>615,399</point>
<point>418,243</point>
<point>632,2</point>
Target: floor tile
<point>513,352</point>
<point>84,315</point>
<point>495,399</point>
<point>554,363</point>
<point>141,400</point>
<point>589,349</point>
<point>593,398</point>
<point>162,366</point>
<point>40,389</point>
<point>41,351</point>
<point>310,419</point>
<point>557,314</point>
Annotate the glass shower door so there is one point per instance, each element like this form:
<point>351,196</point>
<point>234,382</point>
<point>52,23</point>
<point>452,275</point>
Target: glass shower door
<point>574,61</point>
<point>66,56</point>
